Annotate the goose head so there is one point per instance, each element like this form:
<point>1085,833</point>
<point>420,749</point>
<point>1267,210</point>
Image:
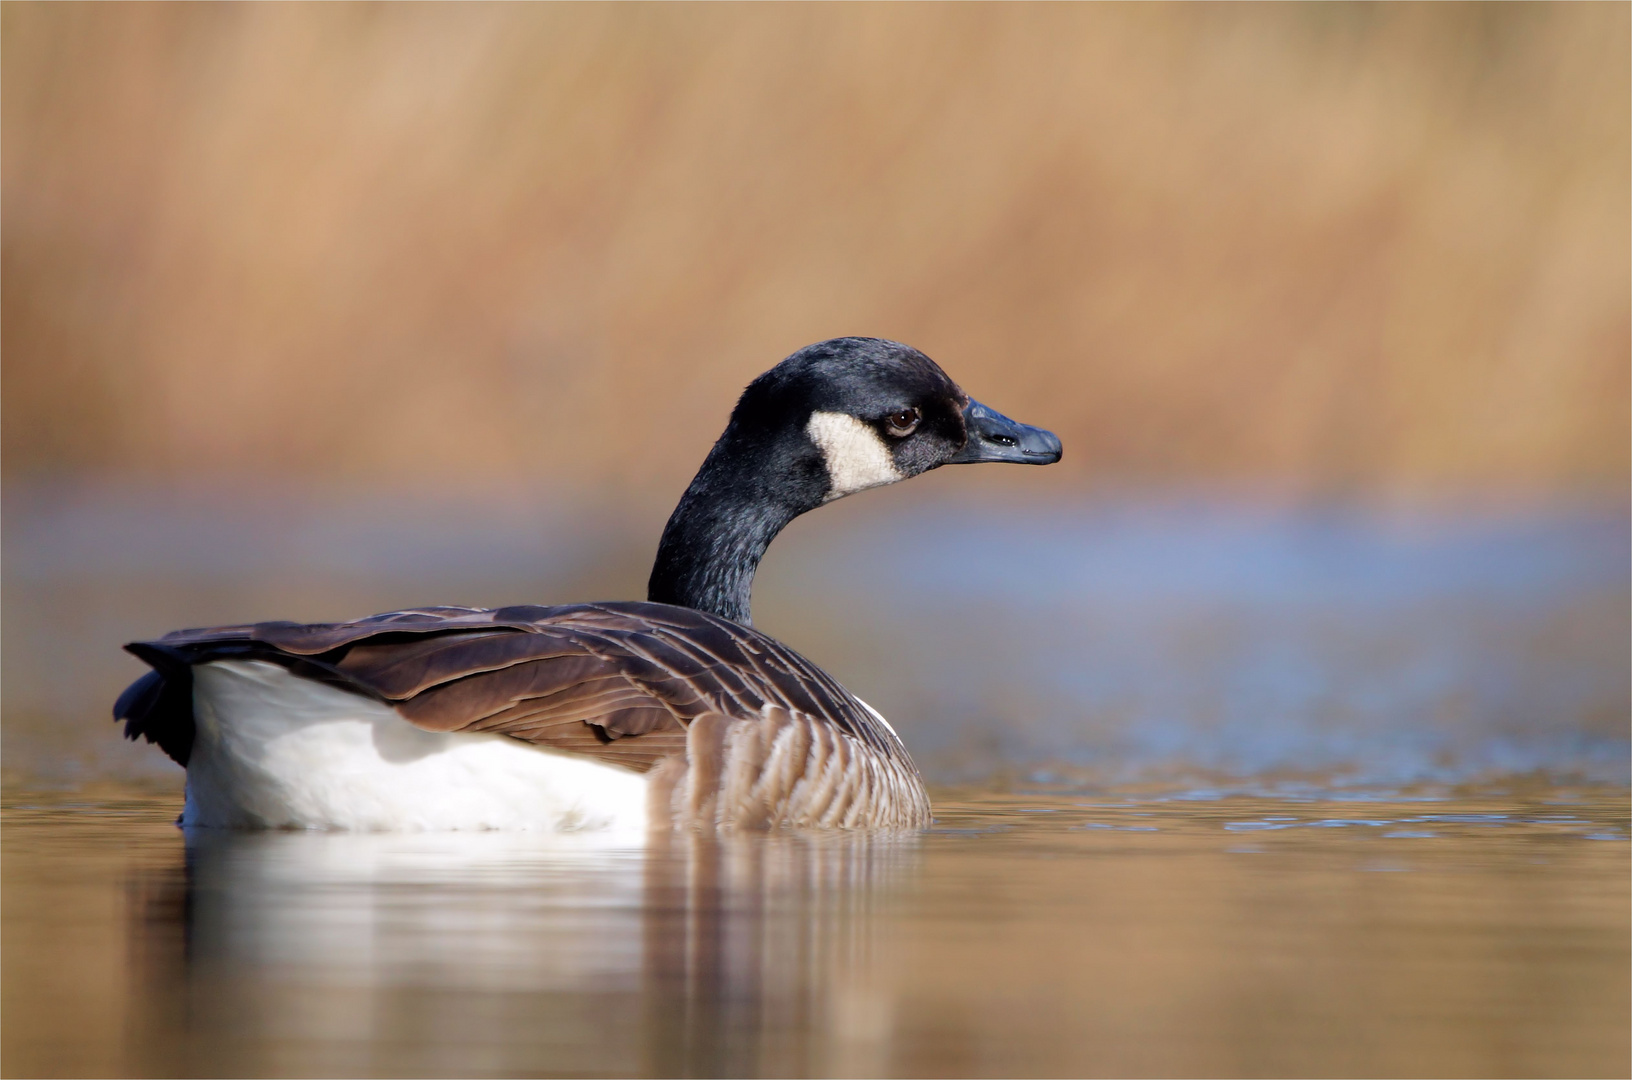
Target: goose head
<point>874,412</point>
<point>833,419</point>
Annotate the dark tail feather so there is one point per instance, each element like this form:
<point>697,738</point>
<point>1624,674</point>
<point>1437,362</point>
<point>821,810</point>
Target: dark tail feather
<point>159,705</point>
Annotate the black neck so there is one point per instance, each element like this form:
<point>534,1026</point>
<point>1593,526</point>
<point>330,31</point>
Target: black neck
<point>746,492</point>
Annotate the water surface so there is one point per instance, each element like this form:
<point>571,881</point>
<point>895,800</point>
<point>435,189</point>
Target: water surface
<point>1251,790</point>
<point>1272,930</point>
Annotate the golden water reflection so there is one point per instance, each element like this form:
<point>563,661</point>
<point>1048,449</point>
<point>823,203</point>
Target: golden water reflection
<point>1119,932</point>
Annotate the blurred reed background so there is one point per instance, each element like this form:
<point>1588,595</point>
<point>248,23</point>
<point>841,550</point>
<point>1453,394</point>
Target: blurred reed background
<point>315,306</point>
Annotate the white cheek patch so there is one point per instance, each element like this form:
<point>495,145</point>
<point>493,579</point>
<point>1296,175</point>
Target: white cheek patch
<point>856,456</point>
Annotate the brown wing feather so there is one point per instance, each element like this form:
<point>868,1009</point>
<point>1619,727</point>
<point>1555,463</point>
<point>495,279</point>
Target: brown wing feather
<point>620,681</point>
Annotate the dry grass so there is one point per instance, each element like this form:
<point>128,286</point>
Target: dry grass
<point>1327,247</point>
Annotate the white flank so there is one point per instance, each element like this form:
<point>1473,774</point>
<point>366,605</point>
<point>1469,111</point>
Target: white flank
<point>856,456</point>
<point>273,750</point>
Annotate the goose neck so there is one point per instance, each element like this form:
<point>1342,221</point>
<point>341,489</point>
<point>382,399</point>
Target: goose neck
<point>719,532</point>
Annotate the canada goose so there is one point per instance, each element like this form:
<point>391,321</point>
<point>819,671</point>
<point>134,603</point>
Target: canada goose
<point>624,715</point>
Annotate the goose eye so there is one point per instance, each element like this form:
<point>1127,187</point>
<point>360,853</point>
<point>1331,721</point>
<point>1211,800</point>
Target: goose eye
<point>903,422</point>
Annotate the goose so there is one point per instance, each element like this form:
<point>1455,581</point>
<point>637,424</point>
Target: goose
<point>670,713</point>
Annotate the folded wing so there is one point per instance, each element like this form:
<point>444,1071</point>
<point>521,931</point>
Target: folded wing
<point>622,682</point>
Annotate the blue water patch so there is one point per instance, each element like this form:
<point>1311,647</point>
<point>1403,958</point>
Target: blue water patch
<point>1386,646</point>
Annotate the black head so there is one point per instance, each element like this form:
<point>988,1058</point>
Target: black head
<point>868,412</point>
<point>833,419</point>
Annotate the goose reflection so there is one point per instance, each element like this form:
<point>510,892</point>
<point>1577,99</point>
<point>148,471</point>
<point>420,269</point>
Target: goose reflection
<point>507,952</point>
<point>761,952</point>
